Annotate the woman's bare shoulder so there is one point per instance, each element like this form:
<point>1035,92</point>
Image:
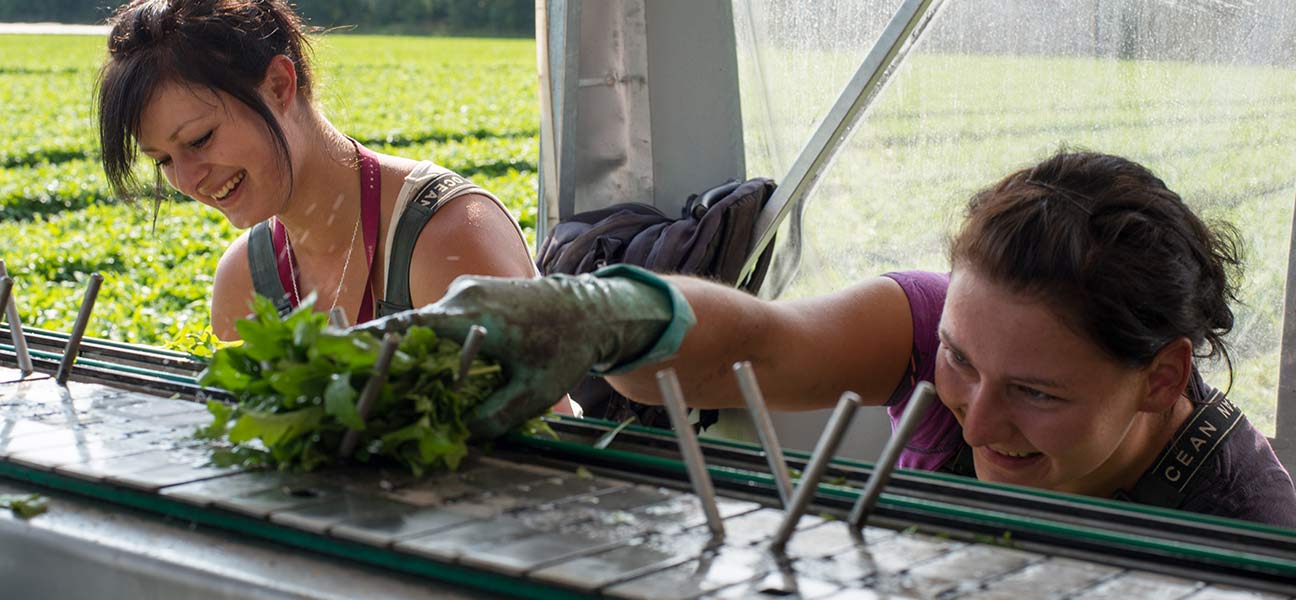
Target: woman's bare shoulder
<point>470,235</point>
<point>232,290</point>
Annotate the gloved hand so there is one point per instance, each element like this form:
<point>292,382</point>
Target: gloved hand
<point>548,332</point>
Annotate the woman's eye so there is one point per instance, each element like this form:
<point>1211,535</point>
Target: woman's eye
<point>200,142</point>
<point>163,162</point>
<point>1037,395</point>
<point>957,358</point>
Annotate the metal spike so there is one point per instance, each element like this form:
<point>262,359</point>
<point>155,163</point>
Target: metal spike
<point>471,346</point>
<point>673,398</point>
<point>10,309</point>
<point>338,318</point>
<point>823,454</point>
<point>371,390</point>
<point>764,429</point>
<point>915,410</point>
<point>78,329</point>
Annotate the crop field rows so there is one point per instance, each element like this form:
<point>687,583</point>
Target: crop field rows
<point>464,103</point>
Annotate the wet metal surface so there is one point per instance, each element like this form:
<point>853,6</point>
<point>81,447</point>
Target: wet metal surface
<point>547,525</point>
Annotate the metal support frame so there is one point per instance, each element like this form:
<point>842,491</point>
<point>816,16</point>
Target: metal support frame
<point>1284,440</point>
<point>557,108</point>
<point>905,27</point>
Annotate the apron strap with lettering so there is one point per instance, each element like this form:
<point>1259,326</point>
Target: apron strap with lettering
<point>1167,482</point>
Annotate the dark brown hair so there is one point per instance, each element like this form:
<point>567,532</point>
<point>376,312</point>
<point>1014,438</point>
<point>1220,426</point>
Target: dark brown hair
<point>223,45</point>
<point>1105,242</point>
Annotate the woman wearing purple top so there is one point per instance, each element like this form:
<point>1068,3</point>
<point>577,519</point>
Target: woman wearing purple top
<point>1062,343</point>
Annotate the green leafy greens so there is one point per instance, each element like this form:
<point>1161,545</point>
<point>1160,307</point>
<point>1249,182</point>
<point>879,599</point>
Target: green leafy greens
<point>25,506</point>
<point>297,382</point>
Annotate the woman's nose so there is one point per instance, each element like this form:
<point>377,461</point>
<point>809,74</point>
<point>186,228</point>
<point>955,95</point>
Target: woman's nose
<point>187,174</point>
<point>985,418</point>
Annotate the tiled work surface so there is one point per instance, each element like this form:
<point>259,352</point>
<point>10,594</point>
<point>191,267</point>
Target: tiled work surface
<point>587,534</point>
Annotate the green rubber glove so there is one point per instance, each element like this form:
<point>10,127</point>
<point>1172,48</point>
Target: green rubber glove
<point>548,332</point>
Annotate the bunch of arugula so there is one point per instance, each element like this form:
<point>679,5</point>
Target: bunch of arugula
<point>297,382</point>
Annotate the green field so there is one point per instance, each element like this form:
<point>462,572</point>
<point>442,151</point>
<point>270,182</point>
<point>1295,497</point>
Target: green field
<point>467,104</point>
<point>946,126</point>
<point>1219,135</point>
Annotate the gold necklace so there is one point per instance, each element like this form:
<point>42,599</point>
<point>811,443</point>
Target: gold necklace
<point>292,266</point>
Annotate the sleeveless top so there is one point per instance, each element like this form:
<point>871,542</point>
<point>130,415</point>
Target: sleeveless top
<point>1217,463</point>
<point>425,190</point>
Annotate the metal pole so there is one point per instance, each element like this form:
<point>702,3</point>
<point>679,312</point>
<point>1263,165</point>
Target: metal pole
<point>6,286</point>
<point>764,429</point>
<point>10,308</point>
<point>915,410</point>
<point>569,108</point>
<point>1284,440</point>
<point>78,329</point>
<point>673,398</point>
<point>872,75</point>
<point>471,345</point>
<point>371,391</point>
<point>548,148</point>
<point>823,453</point>
<point>338,318</point>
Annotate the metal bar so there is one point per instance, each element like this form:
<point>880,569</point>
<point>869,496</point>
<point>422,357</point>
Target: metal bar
<point>548,149</point>
<point>872,75</point>
<point>673,398</point>
<point>10,308</point>
<point>823,454</point>
<point>471,345</point>
<point>6,286</point>
<point>372,388</point>
<point>338,318</point>
<point>915,410</point>
<point>78,329</point>
<point>764,429</point>
<point>566,134</point>
<point>1284,442</point>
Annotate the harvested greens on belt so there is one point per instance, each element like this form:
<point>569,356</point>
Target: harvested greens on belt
<point>297,382</point>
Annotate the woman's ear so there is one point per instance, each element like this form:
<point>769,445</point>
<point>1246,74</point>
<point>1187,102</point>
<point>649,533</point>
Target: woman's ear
<point>279,86</point>
<point>1168,376</point>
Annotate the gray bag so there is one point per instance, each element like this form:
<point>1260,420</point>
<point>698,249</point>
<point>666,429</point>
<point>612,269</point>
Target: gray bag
<point>709,239</point>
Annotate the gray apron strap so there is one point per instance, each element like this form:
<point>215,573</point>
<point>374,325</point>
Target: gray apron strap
<point>1167,482</point>
<point>426,202</point>
<point>264,267</point>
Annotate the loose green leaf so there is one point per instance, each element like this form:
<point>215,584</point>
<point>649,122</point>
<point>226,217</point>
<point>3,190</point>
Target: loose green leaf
<point>25,506</point>
<point>340,401</point>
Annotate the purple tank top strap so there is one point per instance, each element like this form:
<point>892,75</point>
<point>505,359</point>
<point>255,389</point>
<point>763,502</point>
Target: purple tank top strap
<point>283,262</point>
<point>370,217</point>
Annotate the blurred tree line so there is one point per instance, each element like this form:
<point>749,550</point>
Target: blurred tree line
<point>477,17</point>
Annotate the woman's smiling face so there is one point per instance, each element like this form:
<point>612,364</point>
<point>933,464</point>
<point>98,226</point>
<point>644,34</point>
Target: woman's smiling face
<point>216,150</point>
<point>1040,404</point>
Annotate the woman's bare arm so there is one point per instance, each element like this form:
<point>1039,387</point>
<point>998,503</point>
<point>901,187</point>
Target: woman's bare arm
<point>805,352</point>
<point>232,291</point>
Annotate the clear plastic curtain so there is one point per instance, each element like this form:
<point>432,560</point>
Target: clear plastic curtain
<point>1201,91</point>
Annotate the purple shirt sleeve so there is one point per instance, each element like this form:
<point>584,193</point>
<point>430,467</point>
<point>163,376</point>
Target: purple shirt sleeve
<point>939,437</point>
